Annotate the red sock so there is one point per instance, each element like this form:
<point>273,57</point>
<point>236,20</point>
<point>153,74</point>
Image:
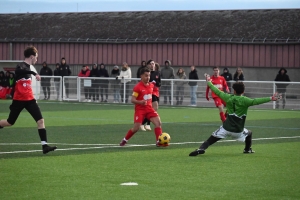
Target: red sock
<point>157,132</point>
<point>222,115</point>
<point>129,134</point>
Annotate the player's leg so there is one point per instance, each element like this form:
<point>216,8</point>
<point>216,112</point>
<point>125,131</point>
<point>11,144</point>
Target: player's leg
<point>219,104</point>
<point>155,119</point>
<point>15,109</point>
<point>216,136</point>
<point>248,141</point>
<point>138,118</point>
<point>35,112</point>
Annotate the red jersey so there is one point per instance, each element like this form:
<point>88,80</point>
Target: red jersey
<point>23,89</point>
<point>143,92</point>
<point>220,83</point>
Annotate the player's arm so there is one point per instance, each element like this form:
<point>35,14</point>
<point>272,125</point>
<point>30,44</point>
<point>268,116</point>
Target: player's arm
<point>218,92</point>
<point>257,101</point>
<point>225,86</point>
<point>135,101</point>
<point>206,94</point>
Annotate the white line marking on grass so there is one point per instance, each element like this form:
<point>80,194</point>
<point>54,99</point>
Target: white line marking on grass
<point>127,146</point>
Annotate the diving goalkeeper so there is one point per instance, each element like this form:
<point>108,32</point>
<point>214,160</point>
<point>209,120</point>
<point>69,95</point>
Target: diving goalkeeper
<point>237,107</point>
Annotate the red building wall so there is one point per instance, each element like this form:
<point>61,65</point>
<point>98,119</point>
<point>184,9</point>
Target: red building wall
<point>181,54</point>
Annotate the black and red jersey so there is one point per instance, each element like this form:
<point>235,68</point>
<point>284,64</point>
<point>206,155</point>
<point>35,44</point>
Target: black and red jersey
<point>23,89</point>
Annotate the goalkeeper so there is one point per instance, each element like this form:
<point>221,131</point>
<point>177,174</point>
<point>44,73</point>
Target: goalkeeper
<point>237,107</point>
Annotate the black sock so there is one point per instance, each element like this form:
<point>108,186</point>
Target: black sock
<point>43,135</point>
<point>211,140</point>
<point>148,122</point>
<point>248,141</point>
<point>145,121</point>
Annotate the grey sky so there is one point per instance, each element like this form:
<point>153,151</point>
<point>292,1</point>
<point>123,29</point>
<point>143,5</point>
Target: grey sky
<point>46,6</point>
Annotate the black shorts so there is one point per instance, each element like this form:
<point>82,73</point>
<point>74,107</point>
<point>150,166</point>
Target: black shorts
<point>155,98</point>
<point>17,106</point>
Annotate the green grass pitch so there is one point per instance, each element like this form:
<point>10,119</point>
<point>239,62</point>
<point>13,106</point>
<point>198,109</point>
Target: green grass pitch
<point>89,164</point>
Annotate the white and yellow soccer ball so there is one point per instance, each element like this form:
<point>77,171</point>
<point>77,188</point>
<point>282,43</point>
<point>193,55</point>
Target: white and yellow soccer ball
<point>164,139</point>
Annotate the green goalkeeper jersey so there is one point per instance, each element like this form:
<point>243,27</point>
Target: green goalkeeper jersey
<point>237,108</point>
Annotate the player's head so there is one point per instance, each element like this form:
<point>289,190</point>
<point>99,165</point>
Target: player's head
<point>145,74</point>
<point>151,64</point>
<point>238,87</point>
<point>31,53</point>
<point>216,71</point>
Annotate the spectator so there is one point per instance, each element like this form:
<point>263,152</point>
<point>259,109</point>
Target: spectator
<point>2,78</point>
<point>85,72</point>
<point>64,70</point>
<point>238,75</point>
<point>281,87</point>
<point>103,83</point>
<point>167,72</point>
<point>115,84</point>
<point>180,86</point>
<point>228,77</point>
<point>143,64</point>
<point>125,77</point>
<point>6,79</point>
<point>12,83</point>
<point>57,80</point>
<point>193,85</point>
<point>94,91</point>
<point>45,81</point>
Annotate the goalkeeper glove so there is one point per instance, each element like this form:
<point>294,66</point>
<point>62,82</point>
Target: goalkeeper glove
<point>276,97</point>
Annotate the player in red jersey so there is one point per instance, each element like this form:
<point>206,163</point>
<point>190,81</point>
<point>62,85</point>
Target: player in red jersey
<point>142,98</point>
<point>23,97</point>
<point>154,76</point>
<point>220,83</point>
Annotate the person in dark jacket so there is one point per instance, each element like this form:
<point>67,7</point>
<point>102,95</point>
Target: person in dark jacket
<point>64,70</point>
<point>193,86</point>
<point>143,64</point>
<point>167,72</point>
<point>228,77</point>
<point>238,75</point>
<point>115,84</point>
<point>94,91</point>
<point>45,81</point>
<point>281,87</point>
<point>2,77</point>
<point>103,83</point>
<point>57,80</point>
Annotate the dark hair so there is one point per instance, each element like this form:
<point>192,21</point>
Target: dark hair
<point>216,67</point>
<point>57,64</point>
<point>30,51</point>
<point>239,87</point>
<point>145,69</point>
<point>149,61</point>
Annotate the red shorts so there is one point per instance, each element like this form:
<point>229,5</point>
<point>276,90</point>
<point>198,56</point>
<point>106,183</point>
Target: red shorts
<point>219,102</point>
<point>140,115</point>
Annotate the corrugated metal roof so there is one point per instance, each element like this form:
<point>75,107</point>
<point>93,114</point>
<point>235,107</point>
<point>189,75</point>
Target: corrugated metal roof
<point>156,26</point>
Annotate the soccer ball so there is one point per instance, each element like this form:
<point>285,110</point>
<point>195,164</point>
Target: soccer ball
<point>164,138</point>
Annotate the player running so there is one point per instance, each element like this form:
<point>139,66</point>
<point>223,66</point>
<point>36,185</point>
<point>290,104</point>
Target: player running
<point>23,97</point>
<point>220,83</point>
<point>142,98</point>
<point>154,76</point>
<point>237,107</point>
